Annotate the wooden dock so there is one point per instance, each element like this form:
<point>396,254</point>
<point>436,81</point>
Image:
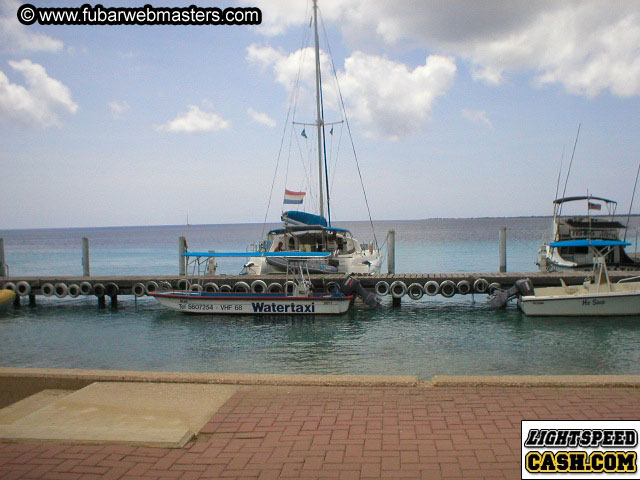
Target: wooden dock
<point>397,285</point>
<point>113,286</point>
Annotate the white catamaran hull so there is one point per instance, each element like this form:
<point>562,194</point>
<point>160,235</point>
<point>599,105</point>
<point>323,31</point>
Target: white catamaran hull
<point>362,263</point>
<point>587,305</point>
<point>252,304</point>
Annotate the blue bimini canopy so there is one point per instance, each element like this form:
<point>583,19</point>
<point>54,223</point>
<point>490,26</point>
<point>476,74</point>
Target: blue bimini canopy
<point>302,229</point>
<point>258,254</point>
<point>303,218</point>
<point>589,243</point>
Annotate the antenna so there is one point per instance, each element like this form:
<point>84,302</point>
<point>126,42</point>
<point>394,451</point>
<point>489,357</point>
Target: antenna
<point>570,163</point>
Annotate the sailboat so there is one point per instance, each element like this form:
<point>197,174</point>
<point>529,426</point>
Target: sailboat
<point>313,232</point>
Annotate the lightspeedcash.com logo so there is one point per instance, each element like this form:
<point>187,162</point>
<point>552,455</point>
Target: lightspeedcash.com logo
<point>580,449</point>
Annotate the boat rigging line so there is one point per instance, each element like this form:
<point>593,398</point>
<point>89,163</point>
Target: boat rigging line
<point>559,172</point>
<point>346,121</point>
<point>631,204</point>
<point>290,114</point>
<point>317,23</point>
<point>570,163</point>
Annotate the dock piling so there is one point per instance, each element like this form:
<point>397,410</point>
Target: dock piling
<point>391,252</point>
<point>391,261</point>
<point>3,268</point>
<point>182,261</point>
<point>503,249</point>
<point>85,257</point>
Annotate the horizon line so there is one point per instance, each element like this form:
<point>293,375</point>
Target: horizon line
<point>275,223</point>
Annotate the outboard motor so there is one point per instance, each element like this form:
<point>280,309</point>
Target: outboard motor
<point>351,286</point>
<point>521,288</point>
<point>525,287</point>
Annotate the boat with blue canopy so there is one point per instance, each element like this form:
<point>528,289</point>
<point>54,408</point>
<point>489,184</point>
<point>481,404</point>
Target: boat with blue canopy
<point>573,236</point>
<point>589,243</point>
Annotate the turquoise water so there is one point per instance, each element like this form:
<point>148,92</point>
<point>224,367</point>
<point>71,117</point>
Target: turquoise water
<point>425,338</point>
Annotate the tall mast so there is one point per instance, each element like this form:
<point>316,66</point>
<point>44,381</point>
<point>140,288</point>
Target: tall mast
<point>320,120</point>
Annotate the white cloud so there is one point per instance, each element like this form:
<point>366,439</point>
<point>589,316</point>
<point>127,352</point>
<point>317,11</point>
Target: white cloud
<point>260,117</point>
<point>383,96</point>
<point>263,56</point>
<point>196,120</point>
<point>388,97</point>
<point>18,38</point>
<point>298,66</point>
<point>117,108</point>
<point>278,16</point>
<point>479,117</point>
<point>488,74</point>
<point>586,47</point>
<point>40,103</point>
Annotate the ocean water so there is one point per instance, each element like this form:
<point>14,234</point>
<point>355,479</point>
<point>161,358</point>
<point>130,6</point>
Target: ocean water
<point>432,336</point>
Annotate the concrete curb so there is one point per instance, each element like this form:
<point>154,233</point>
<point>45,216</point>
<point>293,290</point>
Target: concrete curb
<point>213,378</point>
<point>564,381</point>
<point>19,383</point>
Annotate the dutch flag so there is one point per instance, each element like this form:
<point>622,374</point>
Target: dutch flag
<point>293,197</point>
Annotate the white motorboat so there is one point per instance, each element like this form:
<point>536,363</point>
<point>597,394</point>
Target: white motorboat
<point>314,232</point>
<point>299,299</point>
<point>579,256</point>
<point>253,303</point>
<point>597,296</point>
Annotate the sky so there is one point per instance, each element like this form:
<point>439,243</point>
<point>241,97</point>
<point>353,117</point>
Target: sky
<point>456,109</point>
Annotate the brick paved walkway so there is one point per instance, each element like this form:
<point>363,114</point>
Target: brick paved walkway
<point>340,432</point>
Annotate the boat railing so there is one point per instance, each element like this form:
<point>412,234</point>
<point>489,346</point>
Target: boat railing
<point>199,263</point>
<point>198,266</point>
<point>298,274</point>
<point>261,246</point>
<point>630,279</point>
